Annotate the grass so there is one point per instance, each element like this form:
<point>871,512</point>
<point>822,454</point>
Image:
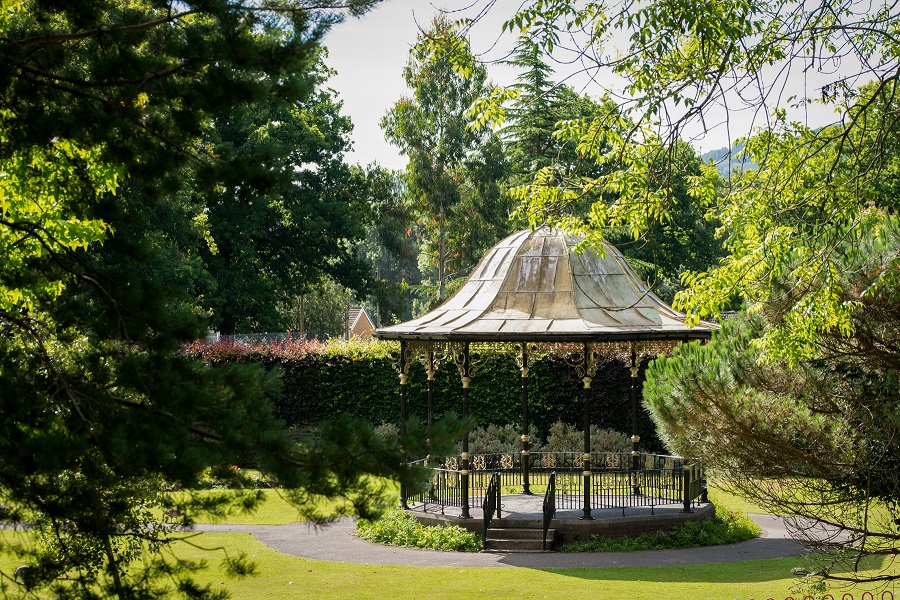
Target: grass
<point>283,576</point>
<point>274,510</point>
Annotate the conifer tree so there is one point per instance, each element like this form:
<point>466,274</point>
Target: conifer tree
<point>106,115</point>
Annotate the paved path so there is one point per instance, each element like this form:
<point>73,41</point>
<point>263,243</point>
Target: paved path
<point>337,542</point>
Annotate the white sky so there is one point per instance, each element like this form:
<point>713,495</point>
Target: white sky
<point>369,55</point>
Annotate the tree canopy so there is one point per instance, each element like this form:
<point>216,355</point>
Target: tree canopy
<point>128,133</point>
<point>453,169</point>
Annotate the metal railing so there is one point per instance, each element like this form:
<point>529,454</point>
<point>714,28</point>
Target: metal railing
<point>491,504</point>
<point>549,507</point>
<point>660,479</point>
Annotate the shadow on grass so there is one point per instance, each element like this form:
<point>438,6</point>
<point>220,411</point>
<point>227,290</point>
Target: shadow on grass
<point>751,571</point>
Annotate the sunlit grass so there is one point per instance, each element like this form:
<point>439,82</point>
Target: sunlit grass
<point>283,576</point>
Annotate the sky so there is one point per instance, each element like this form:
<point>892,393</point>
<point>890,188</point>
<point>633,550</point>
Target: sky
<point>369,54</point>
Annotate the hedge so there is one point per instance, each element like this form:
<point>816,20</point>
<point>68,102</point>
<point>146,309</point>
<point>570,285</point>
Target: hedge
<point>325,379</point>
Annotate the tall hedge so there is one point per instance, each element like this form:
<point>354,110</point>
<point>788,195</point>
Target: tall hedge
<point>322,380</point>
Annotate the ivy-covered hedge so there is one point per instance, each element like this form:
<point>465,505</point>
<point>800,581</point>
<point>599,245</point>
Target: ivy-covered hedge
<point>325,379</point>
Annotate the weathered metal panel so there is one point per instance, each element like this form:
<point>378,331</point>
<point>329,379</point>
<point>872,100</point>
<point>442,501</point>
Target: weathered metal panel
<point>559,305</point>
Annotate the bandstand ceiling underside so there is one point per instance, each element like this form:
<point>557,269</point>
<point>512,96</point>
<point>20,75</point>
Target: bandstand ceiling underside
<point>534,287</point>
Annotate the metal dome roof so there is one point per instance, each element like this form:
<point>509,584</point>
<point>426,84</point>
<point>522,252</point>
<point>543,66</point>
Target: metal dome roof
<point>534,287</point>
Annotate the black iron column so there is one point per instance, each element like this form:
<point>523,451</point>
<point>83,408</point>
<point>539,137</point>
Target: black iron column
<point>404,370</point>
<point>465,370</point>
<point>586,396</point>
<point>430,371</point>
<point>635,438</point>
<point>526,441</point>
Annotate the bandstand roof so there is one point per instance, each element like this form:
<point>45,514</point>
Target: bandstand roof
<point>534,287</point>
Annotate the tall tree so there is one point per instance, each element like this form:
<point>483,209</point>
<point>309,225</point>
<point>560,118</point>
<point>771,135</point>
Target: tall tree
<point>431,128</point>
<point>274,245</point>
<point>106,111</point>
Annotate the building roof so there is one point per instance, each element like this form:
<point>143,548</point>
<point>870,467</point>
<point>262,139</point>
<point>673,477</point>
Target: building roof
<point>534,286</point>
<point>359,321</point>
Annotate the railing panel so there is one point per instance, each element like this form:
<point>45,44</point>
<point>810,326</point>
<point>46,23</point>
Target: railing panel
<point>661,480</point>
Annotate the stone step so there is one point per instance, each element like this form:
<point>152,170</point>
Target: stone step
<point>518,540</point>
<point>518,533</point>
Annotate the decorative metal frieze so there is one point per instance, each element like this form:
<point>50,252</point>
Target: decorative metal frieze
<point>451,463</point>
<point>548,461</point>
<point>653,348</point>
<point>506,461</point>
<point>467,362</point>
<point>584,358</point>
<point>431,360</point>
<point>403,359</point>
<point>479,462</point>
<point>527,354</point>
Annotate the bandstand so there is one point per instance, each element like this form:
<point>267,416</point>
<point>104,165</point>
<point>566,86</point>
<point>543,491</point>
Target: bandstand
<point>531,295</point>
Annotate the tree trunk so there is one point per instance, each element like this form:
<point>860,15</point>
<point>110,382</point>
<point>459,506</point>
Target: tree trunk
<point>442,257</point>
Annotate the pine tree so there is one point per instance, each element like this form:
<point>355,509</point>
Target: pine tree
<point>106,115</point>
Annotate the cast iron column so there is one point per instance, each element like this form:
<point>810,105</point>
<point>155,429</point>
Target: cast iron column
<point>464,471</point>
<point>586,394</point>
<point>635,438</point>
<point>404,369</point>
<point>430,370</point>
<point>526,441</point>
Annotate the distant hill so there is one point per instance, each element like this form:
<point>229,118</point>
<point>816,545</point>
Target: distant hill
<point>725,160</point>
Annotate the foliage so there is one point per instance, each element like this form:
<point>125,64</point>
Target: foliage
<point>112,155</point>
<point>815,441</point>
<point>497,439</point>
<point>298,223</point>
<point>728,528</point>
<point>453,169</point>
<point>398,528</point>
<point>676,65</point>
<point>320,312</point>
<point>563,437</point>
<point>323,379</point>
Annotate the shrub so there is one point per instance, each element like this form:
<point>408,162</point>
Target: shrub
<point>397,528</point>
<point>498,439</point>
<point>728,528</point>
<point>563,437</point>
<point>324,379</point>
<point>388,431</point>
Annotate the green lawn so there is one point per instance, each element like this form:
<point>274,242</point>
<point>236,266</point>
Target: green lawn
<point>283,576</point>
<point>275,510</point>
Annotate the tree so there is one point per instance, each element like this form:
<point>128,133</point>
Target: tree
<point>390,246</point>
<point>669,247</point>
<point>106,112</point>
<point>275,245</point>
<point>431,128</point>
<point>677,65</point>
<point>532,119</point>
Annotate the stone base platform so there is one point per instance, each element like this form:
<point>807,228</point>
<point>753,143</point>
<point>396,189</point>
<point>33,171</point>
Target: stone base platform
<point>525,512</point>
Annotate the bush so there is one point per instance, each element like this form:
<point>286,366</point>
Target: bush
<point>322,380</point>
<point>563,437</point>
<point>498,439</point>
<point>397,528</point>
<point>730,527</point>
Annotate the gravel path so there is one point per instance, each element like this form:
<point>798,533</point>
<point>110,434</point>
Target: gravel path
<point>337,542</point>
